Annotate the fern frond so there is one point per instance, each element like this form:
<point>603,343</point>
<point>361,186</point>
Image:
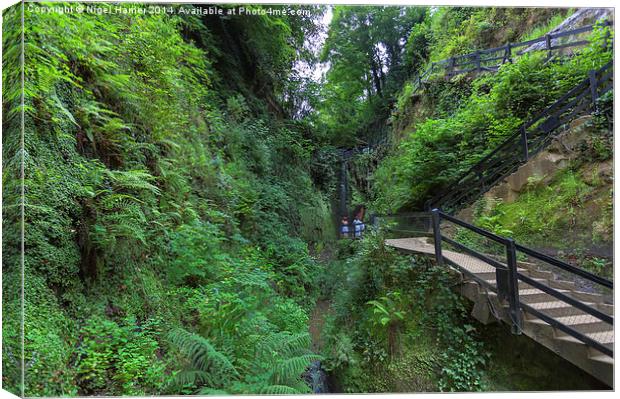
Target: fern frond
<point>202,354</point>
<point>278,390</point>
<point>291,369</point>
<point>301,386</point>
<point>296,344</point>
<point>192,377</point>
<point>287,344</point>
<point>133,180</point>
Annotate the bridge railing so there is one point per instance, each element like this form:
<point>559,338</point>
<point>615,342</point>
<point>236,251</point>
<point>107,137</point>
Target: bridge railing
<point>574,286</point>
<point>413,224</point>
<point>507,268</point>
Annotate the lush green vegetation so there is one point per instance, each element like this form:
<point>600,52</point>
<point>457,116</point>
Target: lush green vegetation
<point>397,314</point>
<point>569,213</point>
<point>180,183</point>
<point>437,147</point>
<point>364,49</point>
<point>165,206</point>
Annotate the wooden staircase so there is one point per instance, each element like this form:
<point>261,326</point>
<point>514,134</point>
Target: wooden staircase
<point>479,284</point>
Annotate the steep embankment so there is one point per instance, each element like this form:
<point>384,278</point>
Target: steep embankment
<point>561,201</point>
<point>166,193</point>
<point>442,131</point>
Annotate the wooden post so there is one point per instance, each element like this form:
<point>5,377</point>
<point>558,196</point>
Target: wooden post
<point>508,55</point>
<point>478,60</point>
<point>451,66</point>
<point>437,236</point>
<point>593,85</point>
<point>548,43</point>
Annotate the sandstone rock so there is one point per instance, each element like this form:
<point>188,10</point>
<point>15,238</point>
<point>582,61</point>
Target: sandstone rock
<point>545,165</point>
<point>582,17</point>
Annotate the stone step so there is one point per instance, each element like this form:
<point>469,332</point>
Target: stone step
<point>587,296</point>
<point>605,308</point>
<point>583,323</point>
<point>569,289</point>
<point>522,285</point>
<point>557,284</point>
<point>556,308</point>
<point>526,265</point>
<point>540,274</point>
<point>491,275</point>
<point>533,295</point>
<point>562,284</point>
<point>604,359</point>
<point>606,338</point>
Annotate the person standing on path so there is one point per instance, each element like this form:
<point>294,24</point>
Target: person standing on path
<point>344,227</point>
<point>358,223</point>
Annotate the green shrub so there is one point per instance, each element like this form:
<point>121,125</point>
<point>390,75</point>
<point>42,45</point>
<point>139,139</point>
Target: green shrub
<point>120,359</point>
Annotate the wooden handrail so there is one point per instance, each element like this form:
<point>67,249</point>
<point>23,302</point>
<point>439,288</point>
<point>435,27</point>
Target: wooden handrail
<point>475,58</point>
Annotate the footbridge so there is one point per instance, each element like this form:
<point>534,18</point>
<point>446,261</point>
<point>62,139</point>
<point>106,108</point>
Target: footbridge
<point>564,308</point>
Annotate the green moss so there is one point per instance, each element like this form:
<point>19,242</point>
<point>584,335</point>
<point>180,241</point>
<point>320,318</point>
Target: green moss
<point>569,215</point>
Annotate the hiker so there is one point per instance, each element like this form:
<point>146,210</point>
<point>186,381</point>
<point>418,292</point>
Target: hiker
<point>358,223</point>
<point>344,227</point>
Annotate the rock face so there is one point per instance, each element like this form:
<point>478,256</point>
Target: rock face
<point>542,168</point>
<point>582,17</point>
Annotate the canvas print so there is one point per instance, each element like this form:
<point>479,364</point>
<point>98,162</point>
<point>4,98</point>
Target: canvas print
<point>287,199</point>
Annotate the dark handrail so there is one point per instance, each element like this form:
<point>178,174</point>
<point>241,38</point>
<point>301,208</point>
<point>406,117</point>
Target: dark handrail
<point>565,298</point>
<point>568,330</point>
<point>474,58</point>
<point>507,277</point>
<point>471,227</point>
<point>565,266</point>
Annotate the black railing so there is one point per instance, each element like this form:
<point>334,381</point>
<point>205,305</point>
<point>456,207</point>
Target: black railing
<point>531,138</point>
<point>508,275</point>
<point>492,58</point>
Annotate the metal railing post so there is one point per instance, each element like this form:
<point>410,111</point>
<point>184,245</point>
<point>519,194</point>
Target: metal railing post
<point>437,236</point>
<point>513,287</point>
<point>526,153</point>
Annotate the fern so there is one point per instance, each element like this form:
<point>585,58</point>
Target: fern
<point>285,344</point>
<point>278,390</point>
<point>209,366</point>
<point>288,358</point>
<point>289,370</point>
<point>192,377</point>
<point>133,180</point>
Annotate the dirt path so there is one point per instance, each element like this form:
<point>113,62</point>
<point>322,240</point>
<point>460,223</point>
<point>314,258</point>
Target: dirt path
<point>317,321</point>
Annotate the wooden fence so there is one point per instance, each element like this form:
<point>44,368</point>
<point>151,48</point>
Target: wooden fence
<point>491,59</point>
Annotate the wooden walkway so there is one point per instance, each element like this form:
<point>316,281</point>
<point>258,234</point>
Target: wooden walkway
<point>479,284</point>
<point>421,245</point>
